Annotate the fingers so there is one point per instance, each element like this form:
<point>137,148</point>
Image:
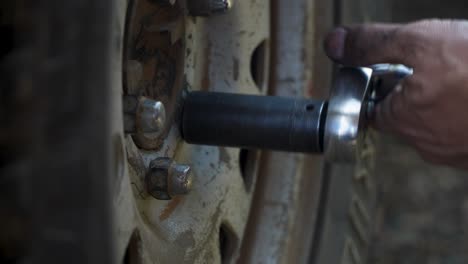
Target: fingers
<point>389,112</point>
<point>365,45</point>
<point>396,114</point>
<point>393,115</point>
<point>440,155</point>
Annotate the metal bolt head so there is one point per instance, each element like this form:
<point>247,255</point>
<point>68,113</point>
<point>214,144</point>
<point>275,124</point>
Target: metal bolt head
<point>180,179</point>
<point>166,179</point>
<point>151,117</point>
<point>143,115</point>
<point>208,7</point>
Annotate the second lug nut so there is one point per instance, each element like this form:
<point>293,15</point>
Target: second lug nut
<point>166,179</point>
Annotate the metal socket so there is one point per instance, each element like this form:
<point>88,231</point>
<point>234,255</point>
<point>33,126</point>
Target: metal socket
<point>253,121</point>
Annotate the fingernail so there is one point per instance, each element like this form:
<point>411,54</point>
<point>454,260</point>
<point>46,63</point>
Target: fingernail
<point>335,42</point>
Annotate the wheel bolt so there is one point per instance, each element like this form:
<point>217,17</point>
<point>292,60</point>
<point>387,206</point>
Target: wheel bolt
<point>144,115</point>
<point>151,115</point>
<point>166,179</point>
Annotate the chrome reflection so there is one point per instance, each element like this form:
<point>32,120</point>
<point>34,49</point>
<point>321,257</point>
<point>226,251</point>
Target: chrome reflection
<point>344,119</point>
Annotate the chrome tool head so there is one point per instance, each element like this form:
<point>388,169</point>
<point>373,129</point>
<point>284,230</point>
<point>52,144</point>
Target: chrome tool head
<point>351,105</point>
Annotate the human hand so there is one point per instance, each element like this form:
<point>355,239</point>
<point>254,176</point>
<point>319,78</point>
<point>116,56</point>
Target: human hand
<point>430,109</point>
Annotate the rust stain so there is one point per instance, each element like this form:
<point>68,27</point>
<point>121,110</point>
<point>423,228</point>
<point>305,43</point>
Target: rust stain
<point>170,208</point>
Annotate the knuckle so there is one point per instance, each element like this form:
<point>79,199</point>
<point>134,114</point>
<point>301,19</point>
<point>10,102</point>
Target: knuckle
<point>418,94</point>
<point>366,42</point>
<point>356,43</point>
<point>416,41</point>
<point>412,44</point>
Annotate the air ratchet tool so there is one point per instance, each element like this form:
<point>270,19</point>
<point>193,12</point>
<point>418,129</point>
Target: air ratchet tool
<point>335,127</point>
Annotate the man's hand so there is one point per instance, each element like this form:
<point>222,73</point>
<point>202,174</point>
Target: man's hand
<point>430,111</point>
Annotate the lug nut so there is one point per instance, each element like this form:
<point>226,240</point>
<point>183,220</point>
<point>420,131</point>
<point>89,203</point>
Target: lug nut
<point>166,179</point>
<point>208,7</point>
<point>151,115</point>
<point>143,115</point>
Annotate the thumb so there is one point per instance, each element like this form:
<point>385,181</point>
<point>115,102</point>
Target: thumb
<point>368,44</point>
